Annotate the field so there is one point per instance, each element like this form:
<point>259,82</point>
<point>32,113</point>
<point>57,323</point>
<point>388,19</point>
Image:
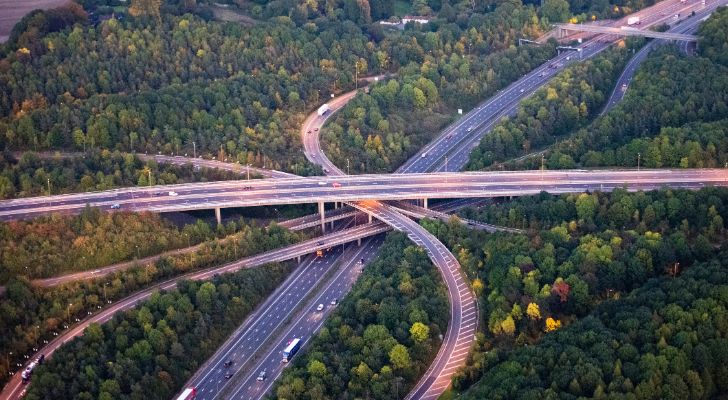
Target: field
<point>11,11</point>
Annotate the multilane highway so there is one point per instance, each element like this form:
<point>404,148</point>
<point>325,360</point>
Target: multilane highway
<point>689,25</point>
<point>14,388</point>
<point>196,196</point>
<point>451,149</point>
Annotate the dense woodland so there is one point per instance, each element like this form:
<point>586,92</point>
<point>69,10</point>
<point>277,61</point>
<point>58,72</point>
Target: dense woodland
<point>30,315</point>
<point>580,250</point>
<point>382,335</point>
<point>459,65</point>
<point>54,245</point>
<point>568,101</point>
<point>31,174</point>
<point>666,340</point>
<point>149,352</point>
<point>671,116</point>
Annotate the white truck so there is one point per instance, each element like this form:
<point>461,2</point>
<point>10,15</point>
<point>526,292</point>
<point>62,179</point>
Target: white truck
<point>323,109</point>
<point>633,21</point>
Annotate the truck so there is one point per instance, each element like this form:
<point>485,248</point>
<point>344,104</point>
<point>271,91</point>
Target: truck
<point>323,109</point>
<point>633,21</point>
<point>188,394</point>
<point>291,349</point>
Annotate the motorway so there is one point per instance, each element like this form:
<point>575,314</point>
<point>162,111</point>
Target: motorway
<point>14,388</point>
<point>353,188</point>
<point>267,329</point>
<point>463,322</point>
<point>450,151</point>
<point>693,184</point>
<point>689,25</point>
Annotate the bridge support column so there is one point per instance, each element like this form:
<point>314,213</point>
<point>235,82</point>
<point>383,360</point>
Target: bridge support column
<point>322,213</point>
<point>370,218</point>
<point>424,203</point>
<point>336,205</point>
<point>298,259</point>
<point>218,215</point>
<point>358,242</point>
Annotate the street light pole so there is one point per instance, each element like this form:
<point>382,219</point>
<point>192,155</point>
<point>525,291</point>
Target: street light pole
<point>194,150</point>
<point>247,168</point>
<point>348,172</point>
<point>638,161</point>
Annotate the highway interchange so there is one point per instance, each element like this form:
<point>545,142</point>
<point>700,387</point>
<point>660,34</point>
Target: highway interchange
<point>363,192</point>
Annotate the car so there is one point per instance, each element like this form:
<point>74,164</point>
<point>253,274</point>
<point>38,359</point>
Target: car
<point>228,375</point>
<point>362,260</point>
<point>336,184</point>
<point>158,193</point>
<point>308,131</point>
<point>423,155</point>
<point>333,302</point>
<point>523,90</point>
<point>470,129</point>
<point>542,74</point>
<point>320,307</point>
<point>247,187</point>
<point>320,243</point>
<point>326,170</point>
<point>321,183</point>
<point>115,206</point>
<point>261,376</point>
<point>448,136</point>
<point>315,129</point>
<point>172,193</point>
<point>228,363</point>
<point>624,87</point>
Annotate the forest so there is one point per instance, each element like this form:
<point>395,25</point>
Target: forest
<point>459,64</point>
<point>149,352</point>
<point>382,336</point>
<point>671,116</point>
<point>32,174</point>
<point>666,340</point>
<point>580,250</point>
<point>568,101</point>
<point>29,315</point>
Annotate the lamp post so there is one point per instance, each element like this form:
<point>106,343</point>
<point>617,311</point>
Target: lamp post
<point>638,161</point>
<point>194,150</point>
<point>247,168</point>
<point>348,172</point>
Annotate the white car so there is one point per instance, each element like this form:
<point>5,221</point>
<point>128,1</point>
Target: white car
<point>333,302</point>
<point>320,307</point>
<point>172,193</point>
<point>322,183</point>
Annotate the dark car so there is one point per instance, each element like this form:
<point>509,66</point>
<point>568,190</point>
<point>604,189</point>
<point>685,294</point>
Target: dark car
<point>228,376</point>
<point>320,243</point>
<point>228,363</point>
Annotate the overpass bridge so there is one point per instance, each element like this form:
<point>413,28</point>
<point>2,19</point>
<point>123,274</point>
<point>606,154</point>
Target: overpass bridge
<point>563,29</point>
<point>358,188</point>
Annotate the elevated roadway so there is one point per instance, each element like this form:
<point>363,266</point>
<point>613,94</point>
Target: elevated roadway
<point>626,31</point>
<point>14,388</point>
<point>196,196</point>
<point>450,150</point>
<point>689,25</point>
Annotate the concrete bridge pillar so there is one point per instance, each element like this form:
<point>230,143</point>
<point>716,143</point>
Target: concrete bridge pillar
<point>298,259</point>
<point>424,203</point>
<point>358,242</point>
<point>218,215</point>
<point>370,218</point>
<point>336,205</point>
<point>322,213</point>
